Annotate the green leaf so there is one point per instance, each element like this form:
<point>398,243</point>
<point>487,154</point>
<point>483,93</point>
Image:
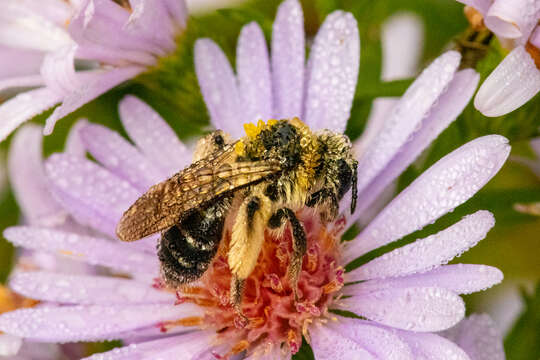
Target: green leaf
<point>523,341</point>
<point>305,352</point>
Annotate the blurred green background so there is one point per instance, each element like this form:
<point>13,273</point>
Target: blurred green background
<point>512,246</point>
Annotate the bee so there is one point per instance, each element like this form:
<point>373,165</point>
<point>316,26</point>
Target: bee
<point>260,181</point>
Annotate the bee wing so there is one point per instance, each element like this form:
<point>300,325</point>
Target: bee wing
<point>163,204</point>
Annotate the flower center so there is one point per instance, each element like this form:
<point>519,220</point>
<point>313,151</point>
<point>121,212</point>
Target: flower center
<point>275,318</point>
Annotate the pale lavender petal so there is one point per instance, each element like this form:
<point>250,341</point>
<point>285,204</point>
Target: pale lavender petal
<point>445,185</point>
<point>274,353</point>
<point>513,19</point>
<point>20,81</point>
<point>142,22</point>
<point>513,82</point>
<point>89,323</point>
<point>58,71</point>
<point>9,345</point>
<point>254,80</point>
<point>99,29</point>
<point>93,250</point>
<point>190,345</point>
<point>15,62</point>
<point>447,109</point>
<point>94,83</point>
<point>380,109</point>
<point>425,254</point>
<point>480,5</point>
<point>416,308</point>
<point>535,37</point>
<point>22,28</point>
<point>27,178</point>
<point>23,107</point>
<point>288,58</point>
<point>380,342</point>
<point>86,289</point>
<point>479,337</point>
<point>92,194</point>
<point>152,135</point>
<point>120,157</point>
<point>218,86</point>
<point>178,11</point>
<point>402,39</point>
<point>328,344</point>
<point>57,11</point>
<point>333,71</point>
<point>74,144</point>
<point>432,347</point>
<point>407,116</point>
<point>458,278</point>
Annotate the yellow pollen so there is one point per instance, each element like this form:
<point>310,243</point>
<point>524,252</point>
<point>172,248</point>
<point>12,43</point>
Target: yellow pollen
<point>240,148</point>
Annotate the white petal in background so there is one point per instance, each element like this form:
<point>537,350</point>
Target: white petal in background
<point>513,82</point>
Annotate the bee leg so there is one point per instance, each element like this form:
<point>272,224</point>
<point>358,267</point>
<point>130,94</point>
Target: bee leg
<point>326,202</point>
<point>299,244</point>
<point>247,238</point>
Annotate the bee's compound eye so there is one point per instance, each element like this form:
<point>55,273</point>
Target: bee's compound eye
<point>218,140</point>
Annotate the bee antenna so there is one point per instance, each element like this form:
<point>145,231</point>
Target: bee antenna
<point>354,189</point>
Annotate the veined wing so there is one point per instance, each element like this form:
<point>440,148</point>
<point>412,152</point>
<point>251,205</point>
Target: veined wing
<point>163,204</point>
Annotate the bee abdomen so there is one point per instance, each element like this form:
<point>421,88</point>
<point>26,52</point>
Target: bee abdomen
<point>186,249</point>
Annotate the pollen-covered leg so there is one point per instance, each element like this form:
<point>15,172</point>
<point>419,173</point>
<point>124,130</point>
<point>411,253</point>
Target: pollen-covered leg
<point>299,244</point>
<point>326,203</point>
<point>246,242</point>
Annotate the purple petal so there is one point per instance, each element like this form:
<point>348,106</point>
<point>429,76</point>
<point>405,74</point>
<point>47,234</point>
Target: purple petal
<point>20,27</point>
<point>329,344</point>
<point>416,308</point>
<point>58,70</point>
<point>479,337</point>
<point>95,83</point>
<point>120,157</point>
<point>445,185</point>
<point>27,177</point>
<point>253,67</point>
<point>99,29</point>
<point>333,71</point>
<point>89,323</point>
<point>23,107</point>
<point>380,342</point>
<point>380,110</point>
<point>85,289</point>
<point>9,345</point>
<point>20,81</point>
<point>274,353</point>
<point>407,116</point>
<point>448,107</point>
<point>427,253</point>
<point>402,39</point>
<point>218,86</point>
<point>288,57</point>
<point>513,82</point>
<point>16,62</point>
<point>190,345</point>
<point>74,144</point>
<point>535,37</point>
<point>95,251</point>
<point>432,347</point>
<point>142,22</point>
<point>152,135</point>
<point>513,19</point>
<point>459,278</point>
<point>178,10</point>
<point>92,194</point>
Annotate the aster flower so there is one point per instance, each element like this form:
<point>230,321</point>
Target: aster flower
<point>517,78</point>
<point>112,43</point>
<point>403,296</point>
